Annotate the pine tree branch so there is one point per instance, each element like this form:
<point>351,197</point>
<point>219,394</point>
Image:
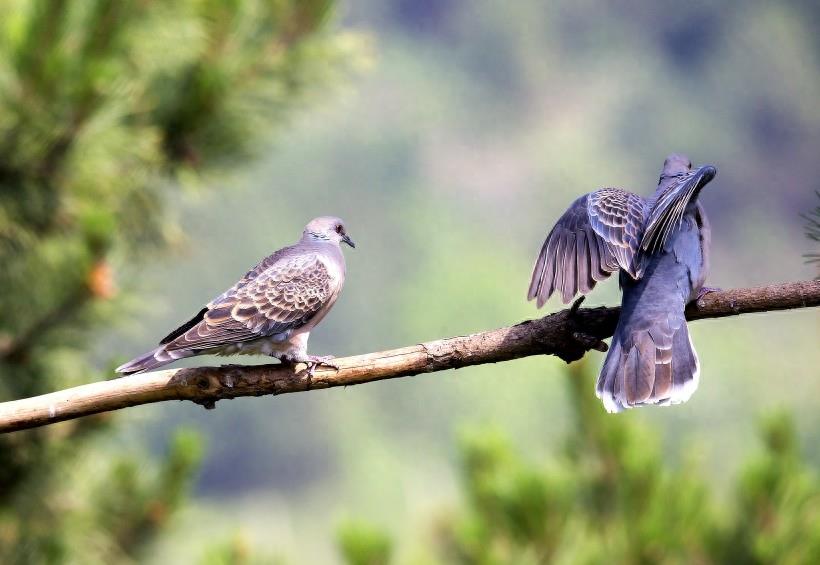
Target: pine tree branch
<point>567,334</point>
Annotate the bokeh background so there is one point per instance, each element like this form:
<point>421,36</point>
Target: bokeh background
<point>150,153</point>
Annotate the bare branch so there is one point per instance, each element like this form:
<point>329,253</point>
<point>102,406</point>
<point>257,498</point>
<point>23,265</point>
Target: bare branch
<point>567,334</point>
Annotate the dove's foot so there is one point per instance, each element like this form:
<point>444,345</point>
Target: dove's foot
<point>312,362</point>
<point>583,341</point>
<point>315,361</point>
<point>704,290</point>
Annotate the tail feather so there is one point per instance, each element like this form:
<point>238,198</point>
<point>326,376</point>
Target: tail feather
<point>151,360</point>
<point>685,367</point>
<point>663,379</point>
<point>608,387</point>
<point>654,366</point>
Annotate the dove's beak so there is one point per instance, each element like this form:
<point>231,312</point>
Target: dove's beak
<point>347,240</point>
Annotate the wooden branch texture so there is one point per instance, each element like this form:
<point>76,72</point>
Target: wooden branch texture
<point>567,334</point>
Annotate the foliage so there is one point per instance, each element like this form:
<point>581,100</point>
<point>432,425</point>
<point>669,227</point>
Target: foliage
<point>778,503</point>
<point>236,551</point>
<point>114,505</point>
<point>104,105</point>
<point>613,496</point>
<point>363,544</point>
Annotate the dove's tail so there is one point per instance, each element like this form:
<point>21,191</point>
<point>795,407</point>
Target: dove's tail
<point>151,360</point>
<point>652,365</point>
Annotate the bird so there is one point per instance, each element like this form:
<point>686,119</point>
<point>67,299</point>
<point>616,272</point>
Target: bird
<point>269,311</point>
<point>660,247</point>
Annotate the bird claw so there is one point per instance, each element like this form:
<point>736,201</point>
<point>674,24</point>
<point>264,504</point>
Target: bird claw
<point>590,342</point>
<point>704,290</point>
<point>323,360</point>
<point>585,340</point>
<point>573,310</point>
<point>314,361</point>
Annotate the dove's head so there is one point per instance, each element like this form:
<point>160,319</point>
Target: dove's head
<point>327,228</point>
<point>676,164</point>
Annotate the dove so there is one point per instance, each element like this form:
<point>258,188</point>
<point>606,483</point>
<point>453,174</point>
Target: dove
<point>660,247</point>
<point>271,310</point>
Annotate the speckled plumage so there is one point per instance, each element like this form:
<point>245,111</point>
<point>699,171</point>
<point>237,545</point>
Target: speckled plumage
<point>269,311</point>
<point>597,235</point>
<point>660,245</point>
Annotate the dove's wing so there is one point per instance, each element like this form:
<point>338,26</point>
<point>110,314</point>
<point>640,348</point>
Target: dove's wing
<point>670,205</point>
<point>598,234</point>
<point>284,292</point>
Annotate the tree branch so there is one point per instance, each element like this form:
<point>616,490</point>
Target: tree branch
<point>567,334</point>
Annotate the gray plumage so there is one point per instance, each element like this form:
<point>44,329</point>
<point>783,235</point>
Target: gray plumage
<point>271,310</point>
<point>660,246</point>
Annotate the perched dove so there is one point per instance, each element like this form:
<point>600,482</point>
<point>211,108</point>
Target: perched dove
<point>271,310</point>
<point>660,245</point>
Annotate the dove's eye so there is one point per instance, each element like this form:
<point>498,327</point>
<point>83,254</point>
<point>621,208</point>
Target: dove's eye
<point>339,229</point>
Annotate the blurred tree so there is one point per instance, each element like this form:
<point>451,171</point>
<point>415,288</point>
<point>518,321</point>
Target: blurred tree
<point>611,496</point>
<point>103,103</point>
<point>813,232</point>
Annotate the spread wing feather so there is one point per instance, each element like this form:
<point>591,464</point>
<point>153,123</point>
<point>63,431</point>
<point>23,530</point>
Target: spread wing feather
<point>599,234</point>
<point>280,294</point>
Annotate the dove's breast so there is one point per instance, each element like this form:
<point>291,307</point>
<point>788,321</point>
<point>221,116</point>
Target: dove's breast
<point>335,269</point>
<point>336,277</point>
<point>294,341</point>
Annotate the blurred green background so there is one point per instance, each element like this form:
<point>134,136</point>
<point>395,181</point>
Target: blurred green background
<point>151,152</point>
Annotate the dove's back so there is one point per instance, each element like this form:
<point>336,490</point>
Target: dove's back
<point>652,359</point>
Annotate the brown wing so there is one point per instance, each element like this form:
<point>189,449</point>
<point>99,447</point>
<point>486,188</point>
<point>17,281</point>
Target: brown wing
<point>258,269</point>
<point>281,294</point>
<point>598,234</point>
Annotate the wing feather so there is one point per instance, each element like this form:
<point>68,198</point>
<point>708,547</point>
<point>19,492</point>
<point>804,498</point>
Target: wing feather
<point>570,286</point>
<point>599,234</point>
<point>280,294</point>
<point>548,277</point>
<point>560,254</point>
<point>596,260</point>
<point>669,206</point>
<point>585,281</point>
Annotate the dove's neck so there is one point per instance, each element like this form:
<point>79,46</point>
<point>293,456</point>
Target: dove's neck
<point>315,237</point>
<point>322,243</point>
